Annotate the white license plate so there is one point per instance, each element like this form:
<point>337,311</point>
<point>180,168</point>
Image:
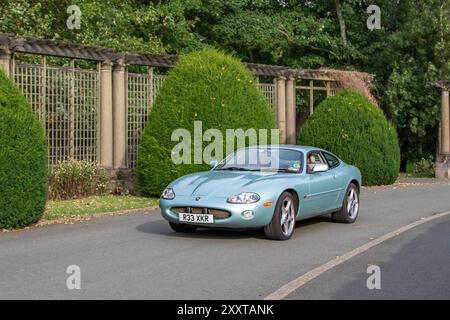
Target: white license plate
<point>196,218</point>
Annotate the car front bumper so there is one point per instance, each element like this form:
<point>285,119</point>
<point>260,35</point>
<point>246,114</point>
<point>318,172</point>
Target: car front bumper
<point>261,217</point>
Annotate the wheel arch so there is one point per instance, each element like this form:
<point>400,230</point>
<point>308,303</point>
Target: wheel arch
<point>296,198</point>
<point>356,183</point>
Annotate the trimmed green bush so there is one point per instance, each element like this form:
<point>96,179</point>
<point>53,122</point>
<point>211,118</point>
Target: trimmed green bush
<point>357,131</point>
<point>23,160</point>
<point>73,179</point>
<point>207,86</point>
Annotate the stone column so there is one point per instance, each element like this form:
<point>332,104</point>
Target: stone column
<point>106,115</point>
<point>5,60</point>
<point>291,112</point>
<point>281,108</point>
<point>445,125</point>
<point>443,158</point>
<point>119,115</point>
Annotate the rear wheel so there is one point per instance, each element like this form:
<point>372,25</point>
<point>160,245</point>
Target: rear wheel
<point>177,227</point>
<point>283,221</point>
<point>350,206</point>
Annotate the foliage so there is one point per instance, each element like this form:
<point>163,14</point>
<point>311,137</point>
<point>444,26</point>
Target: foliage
<point>207,86</point>
<point>425,167</point>
<point>349,126</point>
<point>411,48</point>
<point>23,160</point>
<point>121,25</point>
<point>415,110</point>
<point>72,179</point>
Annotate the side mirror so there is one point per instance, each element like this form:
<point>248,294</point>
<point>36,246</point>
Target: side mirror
<point>213,164</point>
<point>320,167</point>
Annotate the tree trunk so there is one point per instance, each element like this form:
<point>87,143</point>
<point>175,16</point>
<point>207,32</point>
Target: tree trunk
<point>341,21</point>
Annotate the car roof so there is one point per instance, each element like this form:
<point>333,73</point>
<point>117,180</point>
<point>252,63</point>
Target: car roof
<point>290,147</point>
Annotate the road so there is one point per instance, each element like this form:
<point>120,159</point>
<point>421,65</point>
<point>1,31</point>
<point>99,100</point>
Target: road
<point>137,256</point>
<point>414,265</point>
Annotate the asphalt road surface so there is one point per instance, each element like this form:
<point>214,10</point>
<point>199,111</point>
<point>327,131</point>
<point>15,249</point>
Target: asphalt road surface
<point>414,265</point>
<point>137,256</point>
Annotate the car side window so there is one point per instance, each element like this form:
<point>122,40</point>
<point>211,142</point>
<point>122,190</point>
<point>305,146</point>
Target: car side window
<point>332,160</point>
<point>313,159</point>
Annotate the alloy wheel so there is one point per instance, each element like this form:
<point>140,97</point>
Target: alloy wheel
<point>287,220</point>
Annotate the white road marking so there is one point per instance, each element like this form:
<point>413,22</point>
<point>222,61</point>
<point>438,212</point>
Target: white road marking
<point>290,287</point>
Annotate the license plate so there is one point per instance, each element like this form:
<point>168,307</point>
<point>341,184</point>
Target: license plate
<point>196,218</point>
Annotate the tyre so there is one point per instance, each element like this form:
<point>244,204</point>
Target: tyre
<point>283,221</point>
<point>350,206</point>
<point>177,227</point>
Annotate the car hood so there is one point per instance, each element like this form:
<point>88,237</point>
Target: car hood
<point>222,183</point>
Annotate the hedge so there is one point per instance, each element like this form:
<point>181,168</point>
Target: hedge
<point>208,86</point>
<point>23,160</point>
<point>357,131</point>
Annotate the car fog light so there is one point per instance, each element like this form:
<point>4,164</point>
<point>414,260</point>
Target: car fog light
<point>247,214</point>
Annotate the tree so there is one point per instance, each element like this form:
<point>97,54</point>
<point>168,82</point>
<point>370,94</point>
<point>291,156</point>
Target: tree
<point>413,41</point>
<point>341,21</point>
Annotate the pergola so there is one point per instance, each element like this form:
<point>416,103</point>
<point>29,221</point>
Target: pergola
<point>285,78</point>
<point>112,69</point>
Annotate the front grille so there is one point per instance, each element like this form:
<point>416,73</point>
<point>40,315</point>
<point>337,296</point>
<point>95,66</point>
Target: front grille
<point>217,213</point>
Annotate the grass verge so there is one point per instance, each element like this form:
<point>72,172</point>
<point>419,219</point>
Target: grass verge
<point>94,205</point>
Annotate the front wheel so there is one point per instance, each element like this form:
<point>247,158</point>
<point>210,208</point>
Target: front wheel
<point>177,227</point>
<point>283,221</point>
<point>350,206</point>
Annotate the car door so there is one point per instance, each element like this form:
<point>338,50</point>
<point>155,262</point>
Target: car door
<point>322,189</point>
<point>339,178</point>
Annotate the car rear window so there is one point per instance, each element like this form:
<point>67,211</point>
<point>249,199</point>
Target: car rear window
<point>332,160</point>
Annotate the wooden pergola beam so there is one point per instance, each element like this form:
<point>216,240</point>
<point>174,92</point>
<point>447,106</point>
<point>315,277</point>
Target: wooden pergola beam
<point>442,84</point>
<point>77,51</point>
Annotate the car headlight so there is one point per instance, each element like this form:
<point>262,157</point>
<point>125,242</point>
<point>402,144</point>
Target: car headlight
<point>168,194</point>
<point>244,197</point>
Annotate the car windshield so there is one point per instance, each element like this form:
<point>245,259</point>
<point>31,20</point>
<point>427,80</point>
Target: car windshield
<point>263,159</point>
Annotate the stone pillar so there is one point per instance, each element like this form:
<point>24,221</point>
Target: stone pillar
<point>291,112</point>
<point>5,60</point>
<point>443,167</point>
<point>119,115</point>
<point>106,115</point>
<point>281,108</point>
<point>445,123</point>
<point>443,158</point>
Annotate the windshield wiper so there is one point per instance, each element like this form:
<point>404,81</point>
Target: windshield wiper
<point>284,170</point>
<point>238,169</point>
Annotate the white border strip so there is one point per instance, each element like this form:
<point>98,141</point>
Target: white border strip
<point>290,287</point>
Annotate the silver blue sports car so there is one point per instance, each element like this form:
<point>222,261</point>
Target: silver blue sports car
<point>269,187</point>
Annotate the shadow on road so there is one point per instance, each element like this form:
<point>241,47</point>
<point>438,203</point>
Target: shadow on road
<point>162,227</point>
